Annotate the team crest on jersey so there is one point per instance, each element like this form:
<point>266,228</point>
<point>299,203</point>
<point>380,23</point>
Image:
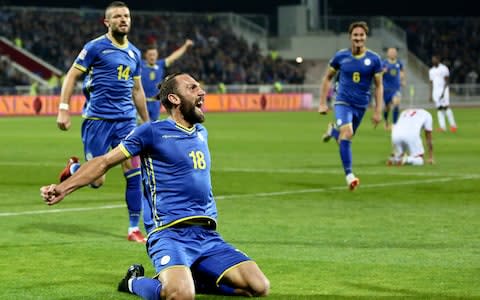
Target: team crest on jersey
<point>200,136</point>
<point>367,62</point>
<point>165,260</point>
<point>82,54</point>
<point>130,53</point>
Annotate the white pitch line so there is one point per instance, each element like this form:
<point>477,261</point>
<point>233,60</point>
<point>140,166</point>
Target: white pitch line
<point>336,171</point>
<point>57,210</point>
<point>266,194</point>
<point>388,170</point>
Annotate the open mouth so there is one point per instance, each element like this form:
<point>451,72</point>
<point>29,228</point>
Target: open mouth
<point>199,103</point>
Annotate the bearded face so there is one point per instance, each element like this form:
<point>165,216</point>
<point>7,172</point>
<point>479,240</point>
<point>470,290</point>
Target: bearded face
<point>192,110</point>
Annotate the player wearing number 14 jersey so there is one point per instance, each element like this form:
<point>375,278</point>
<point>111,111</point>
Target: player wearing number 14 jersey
<point>112,66</point>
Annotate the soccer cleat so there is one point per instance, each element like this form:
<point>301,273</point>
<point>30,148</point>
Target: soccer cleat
<point>133,271</point>
<point>328,134</point>
<point>453,129</point>
<point>66,171</point>
<point>136,236</point>
<point>352,181</point>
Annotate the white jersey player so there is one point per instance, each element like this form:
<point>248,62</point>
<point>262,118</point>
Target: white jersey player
<point>440,93</point>
<point>406,138</point>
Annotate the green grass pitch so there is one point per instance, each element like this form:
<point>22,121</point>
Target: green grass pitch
<point>406,232</point>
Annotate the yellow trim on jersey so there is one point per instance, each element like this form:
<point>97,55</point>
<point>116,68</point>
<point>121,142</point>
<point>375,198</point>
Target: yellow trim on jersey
<point>379,73</point>
<point>133,174</point>
<point>192,220</point>
<point>121,46</point>
<point>80,67</point>
<point>183,128</point>
<point>152,99</point>
<point>333,69</point>
<point>148,163</point>
<point>232,267</point>
<point>360,55</point>
<point>171,267</point>
<point>124,150</point>
<point>138,76</point>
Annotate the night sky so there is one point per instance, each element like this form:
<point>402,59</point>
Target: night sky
<point>456,8</point>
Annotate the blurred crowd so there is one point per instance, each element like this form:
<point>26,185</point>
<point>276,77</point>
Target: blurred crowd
<point>456,40</point>
<point>218,55</point>
<point>9,76</point>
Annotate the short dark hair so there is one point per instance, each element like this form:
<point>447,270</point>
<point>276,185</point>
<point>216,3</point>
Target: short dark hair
<point>115,4</point>
<point>151,46</point>
<point>361,24</point>
<point>166,87</point>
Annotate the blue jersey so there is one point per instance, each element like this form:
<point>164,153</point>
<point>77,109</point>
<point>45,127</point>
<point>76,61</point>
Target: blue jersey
<point>355,75</point>
<point>108,85</point>
<point>391,75</point>
<point>152,75</point>
<point>175,172</point>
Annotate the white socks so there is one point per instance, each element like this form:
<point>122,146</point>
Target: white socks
<point>451,119</point>
<point>441,119</point>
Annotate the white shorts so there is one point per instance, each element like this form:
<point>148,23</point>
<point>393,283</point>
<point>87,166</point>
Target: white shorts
<point>407,143</point>
<point>445,101</point>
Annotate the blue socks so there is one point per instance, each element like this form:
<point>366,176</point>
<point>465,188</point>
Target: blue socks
<point>147,288</point>
<point>335,133</point>
<point>346,155</point>
<point>396,113</point>
<point>133,195</point>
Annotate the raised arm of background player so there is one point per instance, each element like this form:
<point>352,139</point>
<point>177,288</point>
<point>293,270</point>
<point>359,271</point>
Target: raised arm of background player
<point>178,53</point>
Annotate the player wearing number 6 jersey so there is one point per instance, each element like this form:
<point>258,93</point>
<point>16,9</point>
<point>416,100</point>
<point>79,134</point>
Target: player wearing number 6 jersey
<point>356,67</point>
<point>179,209</point>
<point>111,66</point>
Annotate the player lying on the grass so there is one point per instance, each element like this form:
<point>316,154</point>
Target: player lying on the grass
<point>179,209</point>
<point>406,138</point>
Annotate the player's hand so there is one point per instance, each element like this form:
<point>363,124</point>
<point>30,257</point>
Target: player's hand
<point>50,194</point>
<point>323,109</point>
<point>63,120</point>
<point>376,118</point>
<point>189,43</point>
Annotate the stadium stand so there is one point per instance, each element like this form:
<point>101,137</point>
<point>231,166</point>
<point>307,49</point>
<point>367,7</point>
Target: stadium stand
<point>219,55</point>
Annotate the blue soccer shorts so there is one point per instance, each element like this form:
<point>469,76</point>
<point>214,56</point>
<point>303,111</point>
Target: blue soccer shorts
<point>201,249</point>
<point>346,114</point>
<point>99,136</point>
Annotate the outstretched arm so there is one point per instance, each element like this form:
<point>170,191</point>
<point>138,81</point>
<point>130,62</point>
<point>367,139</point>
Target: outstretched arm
<point>324,88</point>
<point>428,138</point>
<point>178,53</point>
<point>68,86</point>
<point>139,99</point>
<point>86,174</point>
